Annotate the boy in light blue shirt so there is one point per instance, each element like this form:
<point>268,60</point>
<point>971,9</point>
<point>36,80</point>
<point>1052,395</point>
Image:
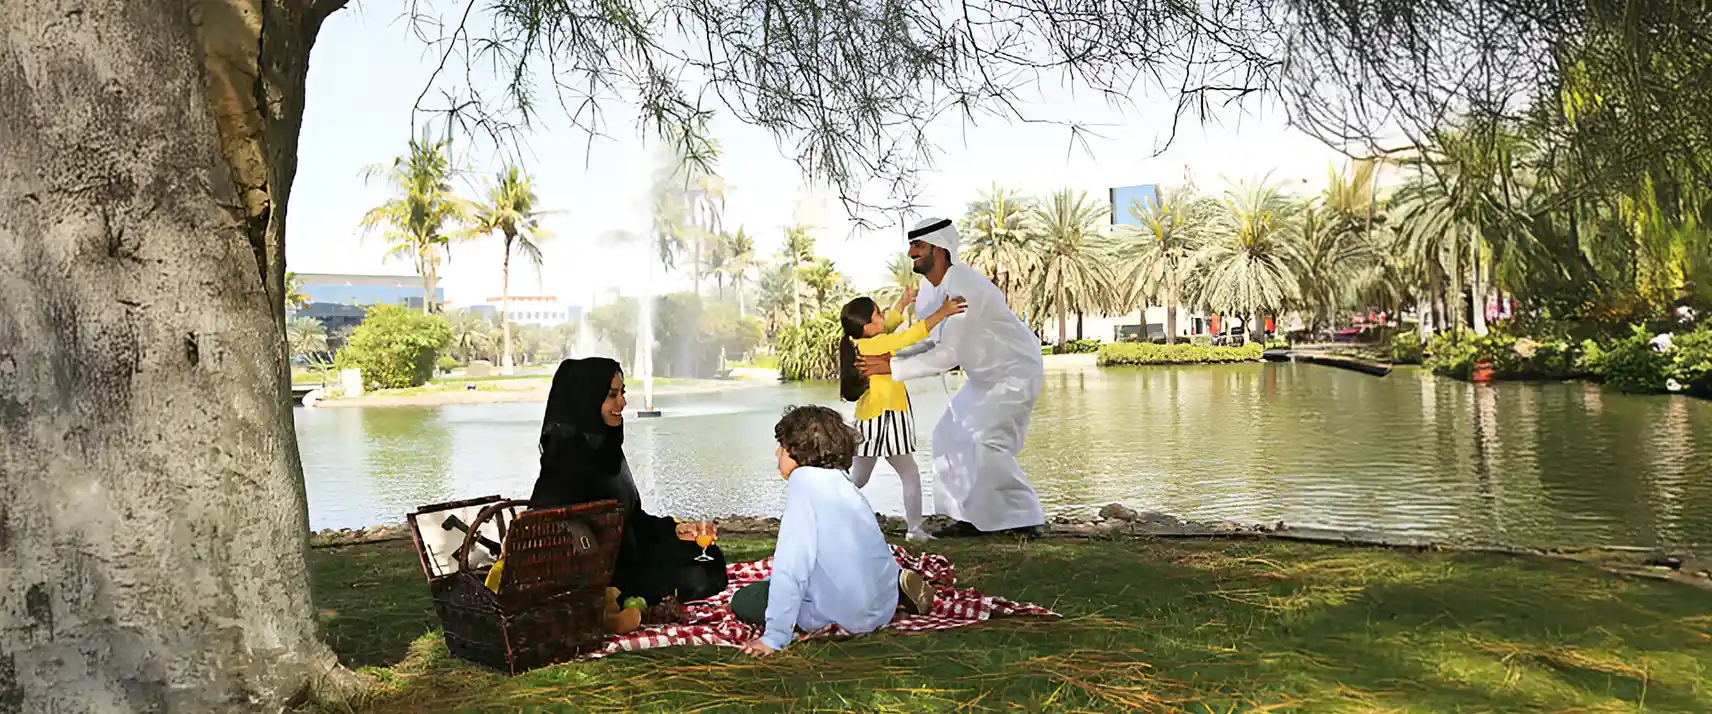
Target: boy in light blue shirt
<point>831,564</point>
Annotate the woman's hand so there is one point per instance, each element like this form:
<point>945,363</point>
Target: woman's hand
<point>691,531</point>
<point>757,648</point>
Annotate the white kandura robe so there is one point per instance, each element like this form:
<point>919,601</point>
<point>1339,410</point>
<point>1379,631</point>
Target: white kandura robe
<point>976,477</point>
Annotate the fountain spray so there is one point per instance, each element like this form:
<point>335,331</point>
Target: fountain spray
<point>645,339</point>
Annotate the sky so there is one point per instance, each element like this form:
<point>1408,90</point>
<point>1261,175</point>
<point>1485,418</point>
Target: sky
<point>367,70</point>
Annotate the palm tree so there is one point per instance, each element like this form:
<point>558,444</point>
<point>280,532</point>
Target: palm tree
<point>1159,256</point>
<point>739,259</point>
<point>511,212</point>
<point>1332,260</point>
<point>1074,273</point>
<point>779,296</point>
<point>418,223</point>
<point>823,280</point>
<point>1000,243</point>
<point>1460,202</point>
<point>900,276</point>
<point>306,337</point>
<point>798,250</point>
<point>1247,262</point>
<point>294,298</point>
<point>473,335</point>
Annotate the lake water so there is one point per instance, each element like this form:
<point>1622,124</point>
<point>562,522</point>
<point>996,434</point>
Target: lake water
<point>1529,464</point>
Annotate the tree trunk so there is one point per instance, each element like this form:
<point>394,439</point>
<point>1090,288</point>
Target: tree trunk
<point>1171,312</point>
<point>796,296</point>
<point>1078,324</point>
<point>505,310</point>
<point>153,519</point>
<point>1061,312</point>
<point>1256,328</point>
<point>1476,295</point>
<point>1424,314</point>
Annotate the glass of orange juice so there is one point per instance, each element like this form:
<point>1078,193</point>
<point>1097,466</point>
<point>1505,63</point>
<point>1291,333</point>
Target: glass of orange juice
<point>704,540</point>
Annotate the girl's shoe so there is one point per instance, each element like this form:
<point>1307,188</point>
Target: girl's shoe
<point>919,536</point>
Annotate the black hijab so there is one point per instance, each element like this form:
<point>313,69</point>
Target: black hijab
<point>582,458</point>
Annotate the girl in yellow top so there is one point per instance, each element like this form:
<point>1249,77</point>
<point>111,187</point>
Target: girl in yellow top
<point>882,405</point>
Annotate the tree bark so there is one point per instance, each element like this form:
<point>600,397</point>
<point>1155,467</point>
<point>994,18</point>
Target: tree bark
<point>152,514</point>
<point>1060,312</point>
<point>1171,310</point>
<point>505,310</point>
<point>1476,294</point>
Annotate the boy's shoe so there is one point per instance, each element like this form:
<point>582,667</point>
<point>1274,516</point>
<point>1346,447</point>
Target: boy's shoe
<point>914,593</point>
<point>918,535</point>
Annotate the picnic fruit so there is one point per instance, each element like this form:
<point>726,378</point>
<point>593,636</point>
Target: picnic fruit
<point>667,612</point>
<point>625,622</point>
<point>612,607</point>
<point>635,603</point>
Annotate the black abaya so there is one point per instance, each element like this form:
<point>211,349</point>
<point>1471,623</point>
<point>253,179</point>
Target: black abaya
<point>582,460</point>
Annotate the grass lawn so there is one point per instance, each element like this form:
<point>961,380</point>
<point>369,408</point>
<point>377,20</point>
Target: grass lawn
<point>1195,626</point>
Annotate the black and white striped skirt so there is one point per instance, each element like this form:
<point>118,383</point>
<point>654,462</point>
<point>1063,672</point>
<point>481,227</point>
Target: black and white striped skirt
<point>889,434</point>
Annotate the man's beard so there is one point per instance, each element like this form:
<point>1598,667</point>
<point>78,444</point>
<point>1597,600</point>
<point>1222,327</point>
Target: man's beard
<point>923,266</point>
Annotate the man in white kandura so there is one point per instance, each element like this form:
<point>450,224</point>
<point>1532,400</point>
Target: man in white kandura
<point>976,478</point>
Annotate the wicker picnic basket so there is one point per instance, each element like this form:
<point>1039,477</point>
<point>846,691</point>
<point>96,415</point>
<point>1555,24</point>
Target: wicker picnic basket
<point>549,607</point>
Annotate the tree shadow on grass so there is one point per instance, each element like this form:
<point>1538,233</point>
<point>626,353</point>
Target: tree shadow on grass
<point>1166,626</point>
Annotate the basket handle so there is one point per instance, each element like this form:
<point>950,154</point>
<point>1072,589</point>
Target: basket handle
<point>482,516</point>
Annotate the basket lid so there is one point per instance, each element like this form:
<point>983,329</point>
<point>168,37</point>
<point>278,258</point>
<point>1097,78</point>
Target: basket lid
<point>549,550</point>
<point>439,530</point>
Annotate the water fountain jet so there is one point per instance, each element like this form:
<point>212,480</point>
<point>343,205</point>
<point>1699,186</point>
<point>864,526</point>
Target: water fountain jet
<point>645,338</point>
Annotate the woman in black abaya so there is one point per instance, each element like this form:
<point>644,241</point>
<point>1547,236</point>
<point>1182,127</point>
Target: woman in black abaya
<point>582,460</point>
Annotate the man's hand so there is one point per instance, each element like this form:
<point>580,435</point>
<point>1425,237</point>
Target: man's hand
<point>690,531</point>
<point>757,648</point>
<point>870,365</point>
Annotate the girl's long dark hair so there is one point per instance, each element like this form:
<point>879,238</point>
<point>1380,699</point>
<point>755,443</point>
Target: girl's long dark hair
<point>854,319</point>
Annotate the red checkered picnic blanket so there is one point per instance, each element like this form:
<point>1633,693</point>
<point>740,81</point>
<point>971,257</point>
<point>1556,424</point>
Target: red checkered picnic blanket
<point>711,621</point>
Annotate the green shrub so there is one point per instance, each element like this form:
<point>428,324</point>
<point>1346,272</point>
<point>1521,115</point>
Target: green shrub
<point>1632,365</point>
<point>1133,353</point>
<point>1454,354</point>
<point>1406,348</point>
<point>448,363</point>
<point>1202,340</point>
<point>810,350</point>
<point>1451,354</point>
<point>1691,361</point>
<point>1074,347</point>
<point>396,347</point>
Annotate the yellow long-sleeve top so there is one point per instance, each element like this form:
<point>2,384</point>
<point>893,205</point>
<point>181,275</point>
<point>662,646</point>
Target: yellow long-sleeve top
<point>884,394</point>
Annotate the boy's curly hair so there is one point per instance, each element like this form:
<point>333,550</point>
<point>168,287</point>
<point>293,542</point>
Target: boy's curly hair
<point>817,436</point>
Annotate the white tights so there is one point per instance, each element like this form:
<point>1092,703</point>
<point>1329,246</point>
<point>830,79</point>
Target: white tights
<point>908,473</point>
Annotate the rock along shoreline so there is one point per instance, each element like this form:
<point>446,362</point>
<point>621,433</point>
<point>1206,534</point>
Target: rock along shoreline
<point>1118,521</point>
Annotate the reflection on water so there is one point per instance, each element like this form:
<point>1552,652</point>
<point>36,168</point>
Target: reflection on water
<point>1538,464</point>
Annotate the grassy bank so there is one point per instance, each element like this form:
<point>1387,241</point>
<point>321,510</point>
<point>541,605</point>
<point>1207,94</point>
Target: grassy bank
<point>1206,626</point>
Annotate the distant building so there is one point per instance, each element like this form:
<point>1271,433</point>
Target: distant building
<point>1123,197</point>
<point>541,310</point>
<point>338,289</point>
<point>339,302</point>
